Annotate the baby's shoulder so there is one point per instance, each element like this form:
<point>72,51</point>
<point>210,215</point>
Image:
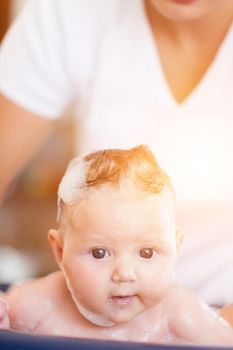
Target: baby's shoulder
<point>187,312</point>
<point>31,289</point>
<point>193,321</point>
<point>31,301</point>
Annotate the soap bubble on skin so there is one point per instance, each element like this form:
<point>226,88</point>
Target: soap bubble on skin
<point>97,319</point>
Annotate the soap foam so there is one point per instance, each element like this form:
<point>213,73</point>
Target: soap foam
<point>72,185</point>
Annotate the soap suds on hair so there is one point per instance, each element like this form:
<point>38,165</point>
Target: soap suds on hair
<point>73,182</point>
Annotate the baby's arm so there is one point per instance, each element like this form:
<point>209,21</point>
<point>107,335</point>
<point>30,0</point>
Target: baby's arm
<point>4,318</point>
<point>28,306</point>
<point>16,308</point>
<point>195,322</point>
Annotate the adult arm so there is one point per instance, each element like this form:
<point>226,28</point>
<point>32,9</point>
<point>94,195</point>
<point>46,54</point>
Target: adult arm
<point>21,134</point>
<point>35,80</point>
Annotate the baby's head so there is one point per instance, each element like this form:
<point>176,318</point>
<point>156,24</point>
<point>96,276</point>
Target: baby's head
<point>117,241</point>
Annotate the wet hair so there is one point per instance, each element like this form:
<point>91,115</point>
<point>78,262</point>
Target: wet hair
<point>112,167</point>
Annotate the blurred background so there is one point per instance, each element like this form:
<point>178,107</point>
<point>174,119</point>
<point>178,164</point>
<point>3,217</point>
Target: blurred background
<point>30,203</point>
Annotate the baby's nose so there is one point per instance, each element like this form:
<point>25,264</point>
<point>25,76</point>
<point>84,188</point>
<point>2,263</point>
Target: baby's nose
<point>124,271</point>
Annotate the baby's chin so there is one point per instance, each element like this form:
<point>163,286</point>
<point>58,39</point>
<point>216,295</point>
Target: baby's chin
<point>103,320</point>
<point>121,315</point>
<point>121,318</point>
<point>113,318</point>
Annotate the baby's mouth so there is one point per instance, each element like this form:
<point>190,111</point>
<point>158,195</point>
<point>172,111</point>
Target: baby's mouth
<point>120,300</point>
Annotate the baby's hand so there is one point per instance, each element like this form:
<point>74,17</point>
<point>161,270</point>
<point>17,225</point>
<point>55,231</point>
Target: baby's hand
<point>4,318</point>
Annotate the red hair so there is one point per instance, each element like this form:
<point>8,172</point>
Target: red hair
<point>112,166</point>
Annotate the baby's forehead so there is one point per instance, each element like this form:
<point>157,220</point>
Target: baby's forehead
<point>110,202</point>
<point>124,193</point>
<point>110,215</point>
<point>128,191</point>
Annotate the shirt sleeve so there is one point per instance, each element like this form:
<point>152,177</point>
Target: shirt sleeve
<point>33,67</point>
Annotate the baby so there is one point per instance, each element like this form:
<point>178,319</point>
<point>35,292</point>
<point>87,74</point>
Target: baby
<point>116,247</point>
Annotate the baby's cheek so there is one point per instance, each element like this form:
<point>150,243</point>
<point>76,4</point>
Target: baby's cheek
<point>80,280</point>
<point>157,279</point>
<point>85,281</point>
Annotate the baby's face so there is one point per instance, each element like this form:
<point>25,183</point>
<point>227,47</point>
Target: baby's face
<point>119,255</point>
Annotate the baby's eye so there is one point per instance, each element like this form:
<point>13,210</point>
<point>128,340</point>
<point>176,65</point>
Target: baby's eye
<point>99,253</point>
<point>147,253</point>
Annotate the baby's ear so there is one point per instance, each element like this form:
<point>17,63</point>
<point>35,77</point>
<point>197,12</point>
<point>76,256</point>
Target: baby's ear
<point>56,242</point>
<point>179,237</point>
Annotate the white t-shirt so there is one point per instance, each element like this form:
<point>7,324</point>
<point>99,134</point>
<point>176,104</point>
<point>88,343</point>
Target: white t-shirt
<point>100,55</point>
